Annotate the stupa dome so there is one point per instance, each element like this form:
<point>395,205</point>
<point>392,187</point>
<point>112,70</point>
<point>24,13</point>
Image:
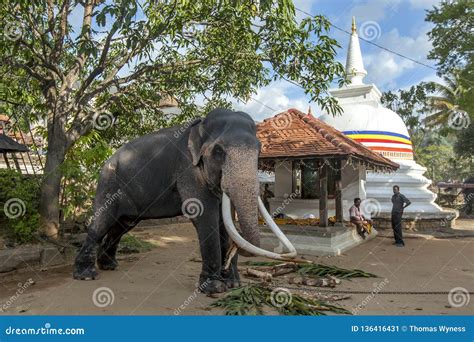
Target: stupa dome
<point>380,129</point>
<point>364,119</point>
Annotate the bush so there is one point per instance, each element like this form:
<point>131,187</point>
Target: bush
<point>19,202</point>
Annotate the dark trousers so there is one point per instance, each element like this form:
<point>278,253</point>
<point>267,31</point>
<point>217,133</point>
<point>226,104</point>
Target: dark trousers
<point>397,227</point>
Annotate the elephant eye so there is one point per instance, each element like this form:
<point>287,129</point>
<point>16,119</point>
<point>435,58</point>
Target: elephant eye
<point>218,152</point>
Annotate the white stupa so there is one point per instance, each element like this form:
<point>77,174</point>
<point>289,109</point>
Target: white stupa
<point>382,130</point>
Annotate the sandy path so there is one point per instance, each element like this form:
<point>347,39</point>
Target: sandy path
<point>160,281</point>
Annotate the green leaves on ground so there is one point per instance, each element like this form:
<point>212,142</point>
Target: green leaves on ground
<point>252,299</point>
<point>319,270</point>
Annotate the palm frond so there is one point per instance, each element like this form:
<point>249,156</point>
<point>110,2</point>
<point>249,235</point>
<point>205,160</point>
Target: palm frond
<point>251,299</point>
<point>319,270</point>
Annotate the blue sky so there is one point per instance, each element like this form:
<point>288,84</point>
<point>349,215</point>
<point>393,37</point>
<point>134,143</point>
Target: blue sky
<point>396,24</point>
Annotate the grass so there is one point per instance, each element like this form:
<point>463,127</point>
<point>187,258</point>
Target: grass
<point>131,244</point>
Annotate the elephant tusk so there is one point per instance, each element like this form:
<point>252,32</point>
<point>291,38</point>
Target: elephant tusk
<point>244,244</point>
<point>275,229</point>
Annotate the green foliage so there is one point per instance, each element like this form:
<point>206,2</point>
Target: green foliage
<point>81,171</point>
<point>451,35</point>
<point>411,105</point>
<point>131,244</point>
<point>19,200</point>
<point>251,299</point>
<point>464,145</point>
<point>442,164</point>
<point>318,270</point>
<point>453,43</point>
<point>434,140</point>
<point>122,57</point>
<point>445,101</point>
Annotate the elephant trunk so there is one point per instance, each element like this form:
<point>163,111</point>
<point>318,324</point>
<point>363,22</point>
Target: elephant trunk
<point>240,183</point>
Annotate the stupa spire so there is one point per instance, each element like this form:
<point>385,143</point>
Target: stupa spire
<point>354,65</point>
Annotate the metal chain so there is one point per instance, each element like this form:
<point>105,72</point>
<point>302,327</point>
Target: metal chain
<point>371,292</point>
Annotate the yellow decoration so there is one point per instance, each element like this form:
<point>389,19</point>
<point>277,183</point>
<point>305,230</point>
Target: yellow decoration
<point>299,222</point>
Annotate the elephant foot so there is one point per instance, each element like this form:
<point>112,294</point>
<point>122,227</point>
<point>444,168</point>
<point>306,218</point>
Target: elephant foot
<point>232,283</point>
<point>107,263</point>
<point>87,272</point>
<point>210,286</point>
<point>231,279</point>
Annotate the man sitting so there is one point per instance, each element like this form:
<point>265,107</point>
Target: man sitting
<point>362,224</point>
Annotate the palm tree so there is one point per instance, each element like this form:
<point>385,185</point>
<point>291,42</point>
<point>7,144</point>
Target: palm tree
<point>445,102</point>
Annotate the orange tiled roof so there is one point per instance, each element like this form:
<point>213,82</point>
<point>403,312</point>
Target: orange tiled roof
<point>4,118</point>
<point>295,134</point>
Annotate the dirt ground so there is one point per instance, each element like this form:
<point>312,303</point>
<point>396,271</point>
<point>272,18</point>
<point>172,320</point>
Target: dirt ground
<point>162,281</point>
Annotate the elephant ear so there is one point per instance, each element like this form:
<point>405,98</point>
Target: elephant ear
<point>195,141</point>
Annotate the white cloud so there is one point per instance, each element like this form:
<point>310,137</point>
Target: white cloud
<point>374,10</point>
<point>276,96</point>
<point>303,5</point>
<point>384,67</point>
<point>424,4</point>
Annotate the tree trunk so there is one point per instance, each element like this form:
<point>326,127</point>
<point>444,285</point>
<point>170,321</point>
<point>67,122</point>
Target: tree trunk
<point>51,185</point>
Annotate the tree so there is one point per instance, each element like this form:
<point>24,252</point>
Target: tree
<point>133,52</point>
<point>446,102</point>
<point>453,43</point>
<point>464,145</point>
<point>410,104</point>
<point>433,148</point>
<point>452,37</point>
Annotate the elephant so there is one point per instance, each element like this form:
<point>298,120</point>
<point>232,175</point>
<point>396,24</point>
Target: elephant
<point>196,170</point>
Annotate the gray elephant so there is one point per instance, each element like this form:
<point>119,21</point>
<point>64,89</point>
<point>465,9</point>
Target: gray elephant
<point>195,170</point>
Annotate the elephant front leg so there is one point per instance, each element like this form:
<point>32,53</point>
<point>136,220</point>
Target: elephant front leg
<point>207,226</point>
<point>231,274</point>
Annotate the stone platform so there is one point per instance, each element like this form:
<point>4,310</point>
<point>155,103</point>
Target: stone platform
<point>314,240</point>
<point>416,222</point>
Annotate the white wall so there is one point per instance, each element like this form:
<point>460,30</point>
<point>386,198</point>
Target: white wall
<point>353,185</point>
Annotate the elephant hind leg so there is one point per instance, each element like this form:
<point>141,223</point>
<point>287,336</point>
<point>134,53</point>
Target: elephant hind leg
<point>108,249</point>
<point>84,265</point>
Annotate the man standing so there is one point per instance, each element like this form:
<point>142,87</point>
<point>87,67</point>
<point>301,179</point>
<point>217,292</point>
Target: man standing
<point>399,202</point>
<point>358,219</point>
<point>267,193</point>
